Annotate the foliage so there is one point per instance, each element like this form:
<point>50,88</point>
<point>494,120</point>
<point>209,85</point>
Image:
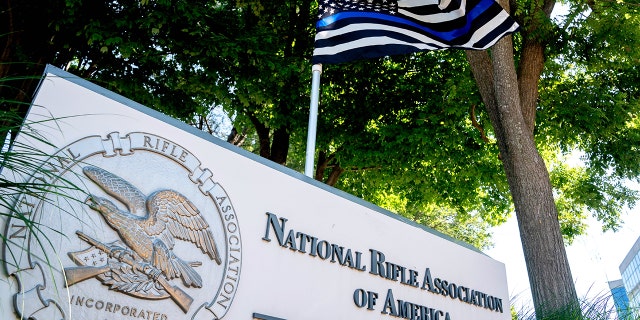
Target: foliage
<point>251,58</point>
<point>589,103</point>
<point>408,133</point>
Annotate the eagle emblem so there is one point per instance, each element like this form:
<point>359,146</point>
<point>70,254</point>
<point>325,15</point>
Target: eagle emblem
<point>143,262</point>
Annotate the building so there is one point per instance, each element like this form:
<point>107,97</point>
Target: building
<point>620,299</point>
<point>630,271</point>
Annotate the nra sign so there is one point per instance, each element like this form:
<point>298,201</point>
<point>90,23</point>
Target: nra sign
<point>153,219</point>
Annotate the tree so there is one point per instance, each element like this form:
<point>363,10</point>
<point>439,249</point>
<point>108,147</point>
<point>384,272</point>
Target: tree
<point>511,98</point>
<point>549,273</point>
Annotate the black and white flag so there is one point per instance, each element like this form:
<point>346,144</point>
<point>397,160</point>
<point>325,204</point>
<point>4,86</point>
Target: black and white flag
<point>361,29</point>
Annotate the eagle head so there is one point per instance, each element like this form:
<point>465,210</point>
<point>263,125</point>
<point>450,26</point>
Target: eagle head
<point>101,205</point>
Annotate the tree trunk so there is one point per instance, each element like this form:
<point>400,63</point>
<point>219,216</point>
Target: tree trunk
<point>532,64</point>
<point>236,138</point>
<point>274,148</point>
<point>264,141</point>
<point>334,175</point>
<point>529,73</point>
<point>550,277</point>
<point>280,145</point>
<point>324,162</point>
<point>322,165</point>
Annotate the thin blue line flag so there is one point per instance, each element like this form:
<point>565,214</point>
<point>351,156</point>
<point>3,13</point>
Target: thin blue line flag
<point>362,29</point>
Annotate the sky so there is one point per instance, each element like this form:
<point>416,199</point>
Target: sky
<point>594,258</point>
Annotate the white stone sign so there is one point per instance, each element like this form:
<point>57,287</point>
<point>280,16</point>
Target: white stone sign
<point>154,219</point>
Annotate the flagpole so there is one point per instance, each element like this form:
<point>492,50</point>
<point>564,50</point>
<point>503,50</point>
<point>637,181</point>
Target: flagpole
<point>313,120</point>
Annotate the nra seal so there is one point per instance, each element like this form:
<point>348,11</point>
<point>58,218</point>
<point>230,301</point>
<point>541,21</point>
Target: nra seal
<point>135,229</point>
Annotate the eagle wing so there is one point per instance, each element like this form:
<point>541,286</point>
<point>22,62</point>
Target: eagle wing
<point>172,215</point>
<point>118,188</point>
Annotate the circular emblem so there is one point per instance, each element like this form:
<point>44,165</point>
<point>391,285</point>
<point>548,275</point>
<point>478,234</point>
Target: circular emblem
<point>135,229</point>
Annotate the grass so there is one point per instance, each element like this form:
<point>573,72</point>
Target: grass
<point>598,307</point>
<point>23,174</point>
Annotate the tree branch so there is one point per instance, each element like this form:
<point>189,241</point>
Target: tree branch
<point>334,175</point>
<point>474,122</point>
<point>353,169</point>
